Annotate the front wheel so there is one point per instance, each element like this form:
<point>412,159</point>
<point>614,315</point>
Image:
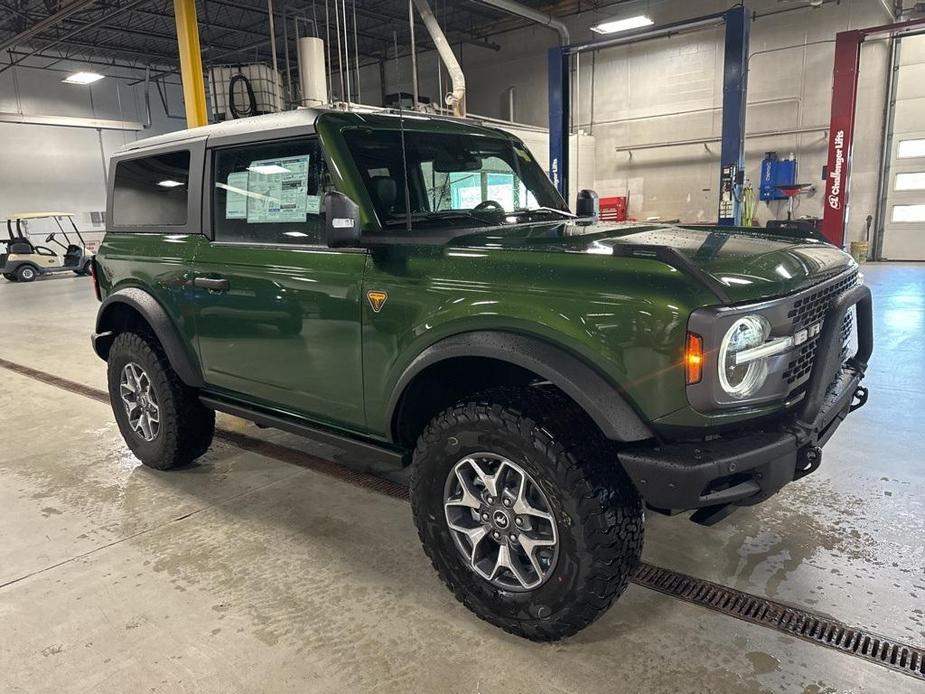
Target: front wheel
<point>26,273</point>
<point>161,419</point>
<point>522,508</point>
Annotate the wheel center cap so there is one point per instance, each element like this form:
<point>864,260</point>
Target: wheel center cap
<point>500,520</point>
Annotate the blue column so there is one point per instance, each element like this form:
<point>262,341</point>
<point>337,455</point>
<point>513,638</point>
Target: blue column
<point>735,89</point>
<point>559,125</point>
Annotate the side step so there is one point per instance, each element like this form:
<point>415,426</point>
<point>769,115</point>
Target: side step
<point>295,425</point>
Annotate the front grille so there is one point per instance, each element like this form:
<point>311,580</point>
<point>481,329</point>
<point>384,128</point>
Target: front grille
<point>809,310</point>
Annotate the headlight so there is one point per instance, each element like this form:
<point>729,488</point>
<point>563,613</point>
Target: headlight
<point>742,380</point>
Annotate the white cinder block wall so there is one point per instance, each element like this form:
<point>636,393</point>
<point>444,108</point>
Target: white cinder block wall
<point>61,168</point>
<point>671,89</point>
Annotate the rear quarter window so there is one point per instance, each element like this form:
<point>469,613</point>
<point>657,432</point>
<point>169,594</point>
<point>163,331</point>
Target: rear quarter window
<point>151,191</point>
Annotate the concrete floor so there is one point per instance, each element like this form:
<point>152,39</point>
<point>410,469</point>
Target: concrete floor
<point>243,573</point>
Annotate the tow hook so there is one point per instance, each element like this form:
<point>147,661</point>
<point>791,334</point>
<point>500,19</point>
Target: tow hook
<point>859,399</point>
<point>808,459</point>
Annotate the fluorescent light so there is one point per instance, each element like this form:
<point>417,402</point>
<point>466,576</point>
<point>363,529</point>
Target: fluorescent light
<point>615,25</point>
<point>83,78</point>
<point>268,169</point>
<point>169,183</point>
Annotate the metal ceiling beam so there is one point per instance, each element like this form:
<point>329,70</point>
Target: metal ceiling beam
<point>92,25</point>
<point>50,21</point>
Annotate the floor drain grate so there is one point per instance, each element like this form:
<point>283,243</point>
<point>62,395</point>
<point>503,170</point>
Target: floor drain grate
<point>796,622</point>
<point>793,621</point>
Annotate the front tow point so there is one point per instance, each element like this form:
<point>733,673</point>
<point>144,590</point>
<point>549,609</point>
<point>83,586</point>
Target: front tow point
<point>808,459</point>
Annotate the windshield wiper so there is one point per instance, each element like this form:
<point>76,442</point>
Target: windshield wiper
<point>448,215</point>
<point>553,210</point>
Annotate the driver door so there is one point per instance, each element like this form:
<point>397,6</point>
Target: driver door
<point>277,312</point>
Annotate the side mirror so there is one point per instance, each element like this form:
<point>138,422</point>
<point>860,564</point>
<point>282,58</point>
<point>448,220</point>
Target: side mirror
<point>588,206</point>
<point>341,220</point>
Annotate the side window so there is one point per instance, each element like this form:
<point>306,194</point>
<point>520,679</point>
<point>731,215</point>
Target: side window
<point>151,191</point>
<point>269,192</point>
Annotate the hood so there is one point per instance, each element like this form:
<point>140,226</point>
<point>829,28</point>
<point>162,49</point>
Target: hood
<point>752,265</point>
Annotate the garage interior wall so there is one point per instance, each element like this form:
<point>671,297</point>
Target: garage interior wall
<point>647,93</point>
<point>671,89</point>
<point>63,168</point>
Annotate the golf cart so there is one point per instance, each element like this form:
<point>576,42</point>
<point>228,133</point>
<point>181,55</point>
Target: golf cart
<point>23,261</point>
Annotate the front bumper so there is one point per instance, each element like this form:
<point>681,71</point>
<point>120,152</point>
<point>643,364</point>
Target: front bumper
<point>746,468</point>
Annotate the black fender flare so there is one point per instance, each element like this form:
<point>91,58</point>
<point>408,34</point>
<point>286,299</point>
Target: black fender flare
<point>602,400</point>
<point>181,360</point>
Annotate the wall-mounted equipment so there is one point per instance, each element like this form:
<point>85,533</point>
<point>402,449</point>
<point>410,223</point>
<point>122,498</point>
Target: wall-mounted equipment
<point>774,174</point>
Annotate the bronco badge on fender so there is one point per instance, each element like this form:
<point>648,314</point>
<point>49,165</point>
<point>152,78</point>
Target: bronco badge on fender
<point>377,299</point>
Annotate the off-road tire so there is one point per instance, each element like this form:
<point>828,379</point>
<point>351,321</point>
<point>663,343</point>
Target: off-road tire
<point>186,425</point>
<point>26,273</point>
<point>599,514</point>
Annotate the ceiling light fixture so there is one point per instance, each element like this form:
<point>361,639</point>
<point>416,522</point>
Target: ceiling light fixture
<point>614,25</point>
<point>169,183</point>
<point>83,78</point>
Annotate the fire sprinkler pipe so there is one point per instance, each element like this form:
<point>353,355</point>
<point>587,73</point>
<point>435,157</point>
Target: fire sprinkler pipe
<point>457,98</point>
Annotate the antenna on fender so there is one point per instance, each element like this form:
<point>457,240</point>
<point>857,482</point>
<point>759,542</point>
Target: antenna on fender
<point>404,158</point>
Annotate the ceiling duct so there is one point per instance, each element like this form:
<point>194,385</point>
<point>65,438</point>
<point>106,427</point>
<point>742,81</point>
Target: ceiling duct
<point>457,98</point>
<point>516,8</point>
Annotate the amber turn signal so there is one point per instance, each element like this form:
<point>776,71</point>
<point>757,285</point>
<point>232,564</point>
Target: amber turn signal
<point>693,359</point>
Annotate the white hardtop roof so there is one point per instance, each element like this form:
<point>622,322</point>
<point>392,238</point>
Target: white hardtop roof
<point>300,117</point>
<point>239,126</point>
<point>38,215</point>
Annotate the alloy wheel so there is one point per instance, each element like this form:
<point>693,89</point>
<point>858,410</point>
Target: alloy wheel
<point>140,401</point>
<point>501,522</point>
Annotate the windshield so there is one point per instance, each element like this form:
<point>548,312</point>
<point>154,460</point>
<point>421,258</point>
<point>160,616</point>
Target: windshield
<point>452,178</point>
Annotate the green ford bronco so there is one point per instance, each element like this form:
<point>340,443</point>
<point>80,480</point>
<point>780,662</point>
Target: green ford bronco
<point>416,287</point>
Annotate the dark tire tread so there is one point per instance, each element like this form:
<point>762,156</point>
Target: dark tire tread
<point>610,511</point>
<point>187,426</point>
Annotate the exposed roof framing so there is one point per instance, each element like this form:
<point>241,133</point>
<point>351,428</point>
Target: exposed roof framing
<point>141,33</point>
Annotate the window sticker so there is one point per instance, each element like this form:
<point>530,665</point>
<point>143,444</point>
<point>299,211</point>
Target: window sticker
<point>236,196</point>
<point>313,204</point>
<point>278,190</point>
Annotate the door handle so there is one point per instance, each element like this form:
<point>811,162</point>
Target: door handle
<point>213,284</point>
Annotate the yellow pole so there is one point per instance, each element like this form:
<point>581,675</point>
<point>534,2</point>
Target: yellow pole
<point>194,88</point>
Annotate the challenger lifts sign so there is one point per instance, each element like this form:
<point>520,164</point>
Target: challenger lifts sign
<point>841,134</point>
<point>835,175</point>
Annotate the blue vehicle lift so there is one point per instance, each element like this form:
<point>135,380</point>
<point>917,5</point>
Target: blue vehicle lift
<point>735,81</point>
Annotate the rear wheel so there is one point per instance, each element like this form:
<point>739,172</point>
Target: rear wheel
<point>26,273</point>
<point>161,419</point>
<point>525,513</point>
<point>9,276</point>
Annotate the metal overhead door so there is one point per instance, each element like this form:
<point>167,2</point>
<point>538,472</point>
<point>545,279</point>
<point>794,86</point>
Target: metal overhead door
<point>904,224</point>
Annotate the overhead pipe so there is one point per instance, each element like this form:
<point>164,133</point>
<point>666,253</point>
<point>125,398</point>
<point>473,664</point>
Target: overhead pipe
<point>516,8</point>
<point>457,98</point>
<point>276,81</point>
<point>414,57</point>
